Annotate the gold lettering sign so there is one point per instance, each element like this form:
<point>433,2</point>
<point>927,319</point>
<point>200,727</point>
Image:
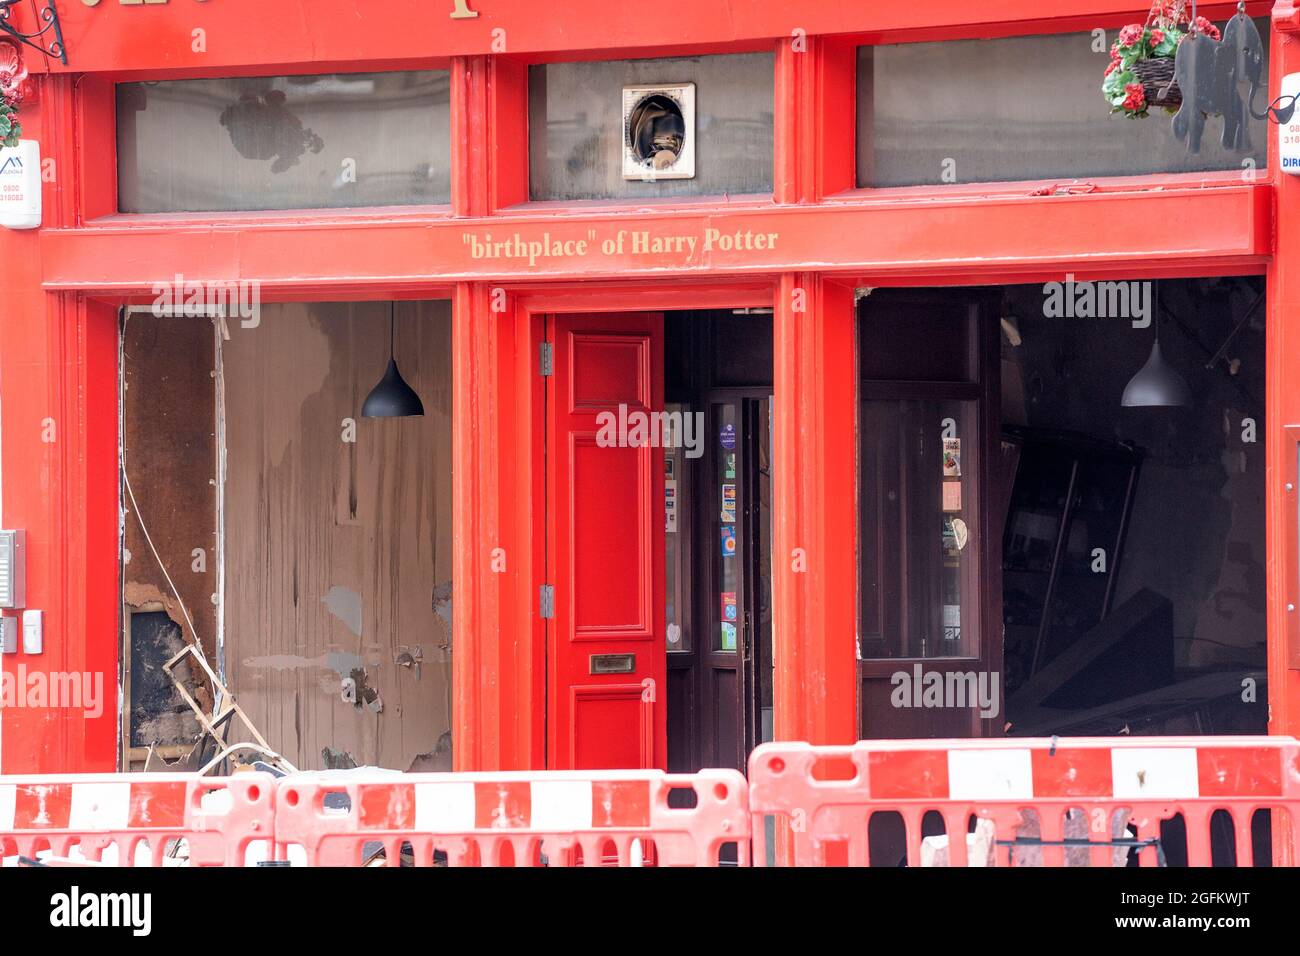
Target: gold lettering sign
<point>462,11</point>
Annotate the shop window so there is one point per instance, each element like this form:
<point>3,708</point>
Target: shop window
<point>1046,549</point>
<point>284,142</point>
<point>920,589</point>
<point>311,543</point>
<point>655,128</point>
<point>1017,108</point>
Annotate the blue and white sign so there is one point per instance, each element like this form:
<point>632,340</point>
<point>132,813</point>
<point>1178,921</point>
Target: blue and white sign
<point>1288,134</point>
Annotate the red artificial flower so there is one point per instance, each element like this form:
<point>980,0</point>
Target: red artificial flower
<point>1136,100</point>
<point>10,93</point>
<point>1157,37</point>
<point>1209,29</point>
<point>1131,34</point>
<point>1114,65</point>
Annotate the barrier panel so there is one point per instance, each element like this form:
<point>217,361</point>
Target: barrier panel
<point>1072,802</point>
<point>1054,802</point>
<point>552,818</point>
<point>76,818</point>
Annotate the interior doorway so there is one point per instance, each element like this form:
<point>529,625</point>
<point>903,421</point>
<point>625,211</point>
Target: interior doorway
<point>718,541</point>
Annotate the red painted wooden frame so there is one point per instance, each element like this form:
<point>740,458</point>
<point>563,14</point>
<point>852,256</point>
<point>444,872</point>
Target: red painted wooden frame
<point>58,336</point>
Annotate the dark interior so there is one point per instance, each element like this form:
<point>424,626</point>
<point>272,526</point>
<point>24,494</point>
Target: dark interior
<point>719,364</point>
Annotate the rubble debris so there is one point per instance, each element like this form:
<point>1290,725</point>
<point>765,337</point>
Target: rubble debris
<point>216,725</point>
<point>981,847</point>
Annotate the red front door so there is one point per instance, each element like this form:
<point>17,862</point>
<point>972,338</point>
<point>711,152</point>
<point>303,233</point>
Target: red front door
<point>606,649</point>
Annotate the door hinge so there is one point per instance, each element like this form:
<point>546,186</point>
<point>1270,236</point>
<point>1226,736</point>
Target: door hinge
<point>547,600</point>
<point>545,360</point>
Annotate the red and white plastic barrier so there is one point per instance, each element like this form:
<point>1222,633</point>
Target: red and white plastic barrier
<point>827,795</point>
<point>1074,801</point>
<point>559,818</point>
<point>80,816</point>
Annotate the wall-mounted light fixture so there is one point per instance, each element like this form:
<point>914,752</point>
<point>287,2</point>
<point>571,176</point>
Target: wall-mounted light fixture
<point>392,397</point>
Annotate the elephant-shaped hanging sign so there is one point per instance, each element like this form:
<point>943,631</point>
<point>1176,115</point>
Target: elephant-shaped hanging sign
<point>1220,77</point>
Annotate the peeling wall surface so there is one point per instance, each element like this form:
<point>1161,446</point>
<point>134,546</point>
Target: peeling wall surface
<point>338,534</point>
<point>169,447</point>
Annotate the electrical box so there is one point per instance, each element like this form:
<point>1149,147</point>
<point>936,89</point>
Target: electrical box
<point>8,635</point>
<point>13,568</point>
<point>659,132</point>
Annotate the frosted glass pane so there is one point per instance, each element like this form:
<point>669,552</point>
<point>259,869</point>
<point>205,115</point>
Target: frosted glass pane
<point>1016,108</point>
<point>285,142</point>
<point>576,126</point>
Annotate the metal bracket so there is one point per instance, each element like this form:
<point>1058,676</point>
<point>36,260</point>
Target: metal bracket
<point>546,359</point>
<point>546,598</point>
<point>50,16</point>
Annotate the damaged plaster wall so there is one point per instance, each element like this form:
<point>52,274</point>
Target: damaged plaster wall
<point>338,534</point>
<point>169,454</point>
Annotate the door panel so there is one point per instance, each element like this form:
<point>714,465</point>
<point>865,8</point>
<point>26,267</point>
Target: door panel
<point>930,586</point>
<point>606,664</point>
<point>721,507</point>
<point>732,582</point>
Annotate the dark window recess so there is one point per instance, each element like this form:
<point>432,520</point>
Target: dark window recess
<point>159,714</point>
<point>918,345</point>
<point>575,128</point>
<point>1017,108</point>
<point>284,142</point>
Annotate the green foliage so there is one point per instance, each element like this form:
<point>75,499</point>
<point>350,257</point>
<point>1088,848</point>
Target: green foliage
<point>10,130</point>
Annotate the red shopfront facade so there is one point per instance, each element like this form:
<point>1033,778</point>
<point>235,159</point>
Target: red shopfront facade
<point>600,278</point>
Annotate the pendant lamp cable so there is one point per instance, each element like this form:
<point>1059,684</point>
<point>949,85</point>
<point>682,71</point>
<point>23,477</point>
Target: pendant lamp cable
<point>1155,306</point>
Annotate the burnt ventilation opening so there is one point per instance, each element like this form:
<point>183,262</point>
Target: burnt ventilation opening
<point>656,131</point>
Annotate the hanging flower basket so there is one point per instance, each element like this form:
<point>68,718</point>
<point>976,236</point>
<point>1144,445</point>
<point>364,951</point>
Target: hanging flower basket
<point>12,75</point>
<point>1141,70</point>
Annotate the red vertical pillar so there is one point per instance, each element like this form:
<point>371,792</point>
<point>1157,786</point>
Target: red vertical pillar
<point>814,488</point>
<point>498,714</point>
<point>58,455</point>
<point>1282,410</point>
<point>1283,407</point>
<point>498,709</point>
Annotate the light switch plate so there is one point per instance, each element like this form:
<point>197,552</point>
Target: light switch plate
<point>8,635</point>
<point>33,631</point>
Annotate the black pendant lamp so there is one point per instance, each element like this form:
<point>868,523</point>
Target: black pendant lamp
<point>392,397</point>
<point>1157,384</point>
